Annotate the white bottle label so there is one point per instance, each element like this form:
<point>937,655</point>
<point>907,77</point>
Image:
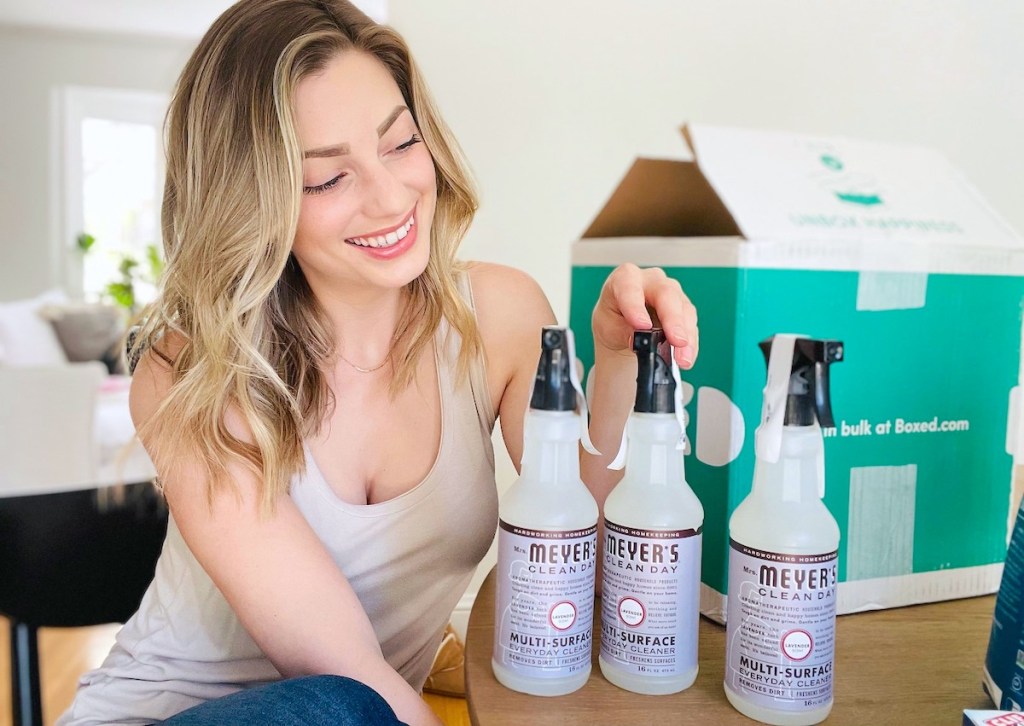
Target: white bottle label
<point>650,599</point>
<point>545,600</point>
<point>781,625</point>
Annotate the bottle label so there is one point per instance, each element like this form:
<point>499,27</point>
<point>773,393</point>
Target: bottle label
<point>781,625</point>
<point>650,599</point>
<point>545,600</point>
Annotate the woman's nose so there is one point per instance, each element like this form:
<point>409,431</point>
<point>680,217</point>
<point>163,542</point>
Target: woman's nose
<point>386,194</point>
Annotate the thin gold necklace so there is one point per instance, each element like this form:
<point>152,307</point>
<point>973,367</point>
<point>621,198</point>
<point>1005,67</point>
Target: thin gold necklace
<point>367,370</point>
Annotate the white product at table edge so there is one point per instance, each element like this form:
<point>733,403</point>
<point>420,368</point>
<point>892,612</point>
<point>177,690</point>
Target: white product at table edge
<point>652,540</point>
<point>780,628</point>
<point>547,540</point>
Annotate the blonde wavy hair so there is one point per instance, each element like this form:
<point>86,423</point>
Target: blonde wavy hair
<point>254,336</point>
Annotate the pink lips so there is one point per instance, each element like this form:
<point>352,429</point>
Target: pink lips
<point>403,245</point>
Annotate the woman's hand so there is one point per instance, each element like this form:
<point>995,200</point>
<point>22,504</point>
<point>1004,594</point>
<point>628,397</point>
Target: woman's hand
<point>629,297</point>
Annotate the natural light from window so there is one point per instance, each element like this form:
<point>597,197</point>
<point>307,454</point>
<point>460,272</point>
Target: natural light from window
<point>110,146</point>
<point>119,203</point>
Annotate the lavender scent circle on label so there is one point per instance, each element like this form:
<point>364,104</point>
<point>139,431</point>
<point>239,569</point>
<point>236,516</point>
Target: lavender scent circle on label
<point>562,615</point>
<point>797,644</point>
<point>631,611</point>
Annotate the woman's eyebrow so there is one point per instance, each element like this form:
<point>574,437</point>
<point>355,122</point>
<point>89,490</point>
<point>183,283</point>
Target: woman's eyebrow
<point>326,151</point>
<point>392,117</point>
<point>343,149</point>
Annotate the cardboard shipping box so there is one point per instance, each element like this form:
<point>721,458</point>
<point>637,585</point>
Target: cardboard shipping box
<point>886,248</point>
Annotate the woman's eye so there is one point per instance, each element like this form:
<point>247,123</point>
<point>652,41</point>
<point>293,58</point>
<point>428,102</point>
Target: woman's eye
<point>410,143</point>
<point>321,188</point>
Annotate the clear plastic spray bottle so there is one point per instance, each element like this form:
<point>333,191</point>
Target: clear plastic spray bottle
<point>650,597</point>
<point>783,548</point>
<point>547,540</point>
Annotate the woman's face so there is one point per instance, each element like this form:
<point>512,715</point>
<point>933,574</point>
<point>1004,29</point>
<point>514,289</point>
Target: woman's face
<point>369,188</point>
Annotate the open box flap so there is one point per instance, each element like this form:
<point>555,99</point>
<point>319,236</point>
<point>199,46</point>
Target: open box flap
<point>774,187</point>
<point>783,186</point>
<point>663,198</point>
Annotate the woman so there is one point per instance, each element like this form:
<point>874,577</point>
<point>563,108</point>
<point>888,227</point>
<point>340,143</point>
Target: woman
<point>319,380</point>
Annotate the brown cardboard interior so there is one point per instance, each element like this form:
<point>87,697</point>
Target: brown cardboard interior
<point>663,198</point>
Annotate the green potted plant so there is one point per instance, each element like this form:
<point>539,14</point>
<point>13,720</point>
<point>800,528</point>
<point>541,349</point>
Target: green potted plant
<point>131,273</point>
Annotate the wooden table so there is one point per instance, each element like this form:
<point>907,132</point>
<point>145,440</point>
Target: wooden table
<point>914,665</point>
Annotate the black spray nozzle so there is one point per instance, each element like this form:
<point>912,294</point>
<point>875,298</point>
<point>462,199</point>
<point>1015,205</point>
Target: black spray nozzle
<point>655,387</point>
<point>552,388</point>
<point>809,395</point>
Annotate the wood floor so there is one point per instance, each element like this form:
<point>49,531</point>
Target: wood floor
<point>65,653</point>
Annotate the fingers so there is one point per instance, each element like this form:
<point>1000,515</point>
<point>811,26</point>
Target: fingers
<point>627,288</point>
<point>677,314</point>
<point>643,296</point>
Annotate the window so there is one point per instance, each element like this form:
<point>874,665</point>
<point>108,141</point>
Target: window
<point>113,166</point>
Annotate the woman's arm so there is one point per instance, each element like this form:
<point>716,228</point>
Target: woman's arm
<point>273,571</point>
<point>510,309</point>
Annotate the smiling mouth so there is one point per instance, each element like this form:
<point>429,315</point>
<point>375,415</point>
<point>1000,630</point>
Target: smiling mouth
<point>387,239</point>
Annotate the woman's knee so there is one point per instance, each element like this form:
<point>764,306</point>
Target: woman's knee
<point>346,698</point>
<point>304,701</point>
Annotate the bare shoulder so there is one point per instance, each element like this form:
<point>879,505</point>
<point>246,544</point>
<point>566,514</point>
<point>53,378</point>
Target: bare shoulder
<point>510,310</point>
<point>507,300</point>
<point>153,378</point>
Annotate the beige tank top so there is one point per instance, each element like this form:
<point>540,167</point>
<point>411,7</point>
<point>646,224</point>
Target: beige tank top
<point>409,560</point>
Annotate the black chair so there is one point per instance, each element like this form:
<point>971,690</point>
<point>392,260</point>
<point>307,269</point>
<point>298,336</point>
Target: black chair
<point>72,559</point>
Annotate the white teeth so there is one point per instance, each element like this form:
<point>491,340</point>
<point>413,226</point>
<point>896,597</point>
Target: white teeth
<point>386,240</point>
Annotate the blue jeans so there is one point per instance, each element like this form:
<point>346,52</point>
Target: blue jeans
<point>305,701</point>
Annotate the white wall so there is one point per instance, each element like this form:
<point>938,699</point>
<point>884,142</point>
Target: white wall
<point>34,62</point>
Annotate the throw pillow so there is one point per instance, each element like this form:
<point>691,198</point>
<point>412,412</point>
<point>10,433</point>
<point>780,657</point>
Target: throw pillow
<point>86,331</point>
<point>26,337</point>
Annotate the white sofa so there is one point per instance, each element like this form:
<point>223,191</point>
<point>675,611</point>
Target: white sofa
<point>63,425</point>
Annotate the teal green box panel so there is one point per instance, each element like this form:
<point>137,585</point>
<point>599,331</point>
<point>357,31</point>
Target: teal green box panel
<point>950,363</point>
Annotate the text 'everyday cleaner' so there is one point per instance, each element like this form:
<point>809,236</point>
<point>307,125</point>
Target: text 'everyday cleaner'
<point>650,596</point>
<point>547,540</point>
<point>783,549</point>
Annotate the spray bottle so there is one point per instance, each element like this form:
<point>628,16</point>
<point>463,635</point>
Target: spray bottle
<point>783,555</point>
<point>547,539</point>
<point>650,601</point>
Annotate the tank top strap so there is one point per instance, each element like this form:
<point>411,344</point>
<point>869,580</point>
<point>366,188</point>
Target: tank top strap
<point>477,367</point>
